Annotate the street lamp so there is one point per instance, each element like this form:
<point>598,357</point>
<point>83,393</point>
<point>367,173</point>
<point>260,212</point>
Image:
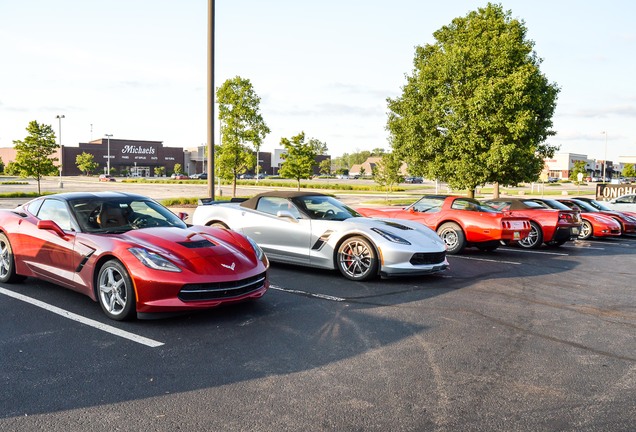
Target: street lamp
<point>108,161</point>
<point>59,118</point>
<point>605,160</point>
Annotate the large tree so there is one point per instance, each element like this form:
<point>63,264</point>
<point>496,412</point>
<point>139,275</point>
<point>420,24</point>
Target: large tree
<point>242,127</point>
<point>476,108</point>
<point>386,172</point>
<point>299,157</point>
<point>33,155</point>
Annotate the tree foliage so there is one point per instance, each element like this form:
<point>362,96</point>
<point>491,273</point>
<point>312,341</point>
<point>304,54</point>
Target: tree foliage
<point>325,167</point>
<point>299,158</point>
<point>85,162</point>
<point>33,155</point>
<point>177,168</point>
<point>477,108</point>
<point>386,172</point>
<point>629,170</point>
<point>579,167</point>
<point>242,126</point>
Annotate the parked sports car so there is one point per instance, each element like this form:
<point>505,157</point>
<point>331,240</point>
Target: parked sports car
<point>460,221</point>
<point>317,230</point>
<point>627,222</point>
<point>550,226</point>
<point>593,224</point>
<point>129,253</point>
<point>624,203</point>
<point>606,206</point>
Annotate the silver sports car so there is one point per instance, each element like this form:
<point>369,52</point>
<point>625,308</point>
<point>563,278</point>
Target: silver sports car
<point>316,230</point>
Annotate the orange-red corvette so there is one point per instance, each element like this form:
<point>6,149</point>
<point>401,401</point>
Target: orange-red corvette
<point>460,221</point>
<point>129,253</point>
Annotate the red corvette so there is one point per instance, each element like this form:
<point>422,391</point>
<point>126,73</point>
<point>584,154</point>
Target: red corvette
<point>627,220</point>
<point>460,221</point>
<point>550,226</point>
<point>594,224</point>
<point>129,253</point>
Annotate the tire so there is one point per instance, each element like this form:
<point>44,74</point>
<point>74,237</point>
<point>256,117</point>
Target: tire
<point>115,291</point>
<point>587,230</point>
<point>357,259</point>
<point>453,236</point>
<point>217,224</point>
<point>534,239</point>
<point>7,262</point>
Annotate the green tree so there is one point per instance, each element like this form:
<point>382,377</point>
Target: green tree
<point>298,159</point>
<point>629,170</point>
<point>386,172</point>
<point>177,168</point>
<point>242,126</point>
<point>477,108</point>
<point>160,171</point>
<point>33,155</point>
<point>363,172</point>
<point>579,167</point>
<point>325,167</point>
<point>85,162</point>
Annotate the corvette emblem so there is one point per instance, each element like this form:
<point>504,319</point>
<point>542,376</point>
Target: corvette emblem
<point>231,267</point>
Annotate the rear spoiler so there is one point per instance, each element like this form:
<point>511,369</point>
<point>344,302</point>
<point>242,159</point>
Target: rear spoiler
<point>209,201</point>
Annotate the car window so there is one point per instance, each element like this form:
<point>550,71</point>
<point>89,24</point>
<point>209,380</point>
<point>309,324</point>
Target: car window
<point>56,211</point>
<point>498,205</point>
<point>324,207</point>
<point>430,205</point>
<point>533,204</point>
<point>272,205</point>
<point>628,199</point>
<point>464,204</point>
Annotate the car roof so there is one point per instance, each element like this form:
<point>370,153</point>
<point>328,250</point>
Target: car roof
<point>252,202</point>
<point>71,196</point>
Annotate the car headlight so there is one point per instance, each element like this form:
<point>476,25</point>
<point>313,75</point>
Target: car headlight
<point>153,260</point>
<point>257,249</point>
<point>390,237</point>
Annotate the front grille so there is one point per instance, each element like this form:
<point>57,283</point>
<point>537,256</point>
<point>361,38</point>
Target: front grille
<point>421,258</point>
<point>221,290</point>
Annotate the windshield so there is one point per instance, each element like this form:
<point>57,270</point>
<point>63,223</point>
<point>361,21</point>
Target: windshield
<point>121,215</point>
<point>582,205</point>
<point>324,207</point>
<point>599,205</point>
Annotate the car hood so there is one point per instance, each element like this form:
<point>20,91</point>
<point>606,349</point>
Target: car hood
<point>408,230</point>
<point>195,249</point>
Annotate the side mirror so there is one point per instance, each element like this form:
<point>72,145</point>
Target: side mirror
<point>183,216</point>
<point>285,214</point>
<point>51,226</point>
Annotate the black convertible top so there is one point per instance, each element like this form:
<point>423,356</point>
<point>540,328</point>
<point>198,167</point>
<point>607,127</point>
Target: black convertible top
<point>252,202</point>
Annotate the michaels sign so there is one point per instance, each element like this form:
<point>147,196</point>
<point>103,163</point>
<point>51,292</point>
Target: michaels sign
<point>138,150</point>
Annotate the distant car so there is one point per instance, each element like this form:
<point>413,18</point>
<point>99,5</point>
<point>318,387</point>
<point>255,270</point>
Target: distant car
<point>246,176</point>
<point>179,177</point>
<point>460,221</point>
<point>594,224</point>
<point>129,253</point>
<point>316,230</point>
<point>413,180</point>
<point>550,226</point>
<point>106,178</point>
<point>624,203</point>
<point>625,219</point>
<point>199,176</point>
<point>553,179</point>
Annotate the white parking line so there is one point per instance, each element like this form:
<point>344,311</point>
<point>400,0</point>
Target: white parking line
<point>87,321</point>
<point>483,259</point>
<point>536,252</point>
<point>320,296</point>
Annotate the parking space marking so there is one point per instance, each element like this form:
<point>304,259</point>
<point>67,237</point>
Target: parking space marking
<point>320,296</point>
<point>534,251</point>
<point>83,320</point>
<point>483,259</point>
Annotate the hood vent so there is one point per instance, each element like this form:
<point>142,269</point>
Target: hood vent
<point>197,244</point>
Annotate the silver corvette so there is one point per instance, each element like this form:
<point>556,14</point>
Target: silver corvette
<point>316,230</point>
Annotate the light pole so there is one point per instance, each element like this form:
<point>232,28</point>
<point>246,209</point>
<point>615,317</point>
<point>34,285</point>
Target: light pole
<point>108,161</point>
<point>59,118</point>
<point>605,160</point>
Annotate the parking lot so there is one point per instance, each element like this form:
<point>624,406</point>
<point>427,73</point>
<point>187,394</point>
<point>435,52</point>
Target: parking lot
<point>512,340</point>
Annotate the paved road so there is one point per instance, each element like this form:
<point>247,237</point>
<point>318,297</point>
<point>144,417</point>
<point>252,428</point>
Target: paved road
<point>511,340</point>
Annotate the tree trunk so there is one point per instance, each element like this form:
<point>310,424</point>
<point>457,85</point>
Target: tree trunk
<point>471,193</point>
<point>495,191</point>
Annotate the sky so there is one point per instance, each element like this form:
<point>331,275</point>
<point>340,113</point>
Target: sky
<point>137,69</point>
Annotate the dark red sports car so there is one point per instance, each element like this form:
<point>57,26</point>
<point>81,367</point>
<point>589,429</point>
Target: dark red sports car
<point>550,226</point>
<point>460,221</point>
<point>129,253</point>
<point>627,220</point>
<point>594,224</point>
